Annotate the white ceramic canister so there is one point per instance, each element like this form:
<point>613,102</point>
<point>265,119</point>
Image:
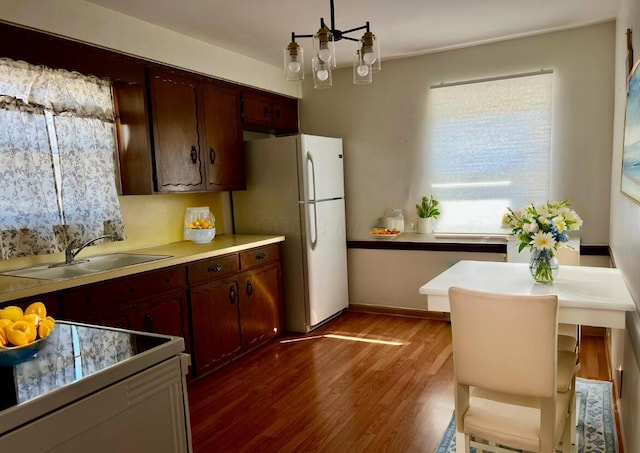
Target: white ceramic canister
<point>394,219</point>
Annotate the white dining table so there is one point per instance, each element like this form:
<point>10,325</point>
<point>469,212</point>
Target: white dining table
<point>591,296</point>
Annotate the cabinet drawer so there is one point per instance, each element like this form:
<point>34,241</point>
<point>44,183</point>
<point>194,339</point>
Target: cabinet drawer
<point>213,268</point>
<point>259,256</point>
<point>113,293</point>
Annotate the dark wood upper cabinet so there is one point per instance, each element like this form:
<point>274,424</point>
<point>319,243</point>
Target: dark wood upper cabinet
<point>222,129</point>
<point>134,144</point>
<point>270,113</point>
<point>176,144</point>
<point>197,134</point>
<point>178,131</point>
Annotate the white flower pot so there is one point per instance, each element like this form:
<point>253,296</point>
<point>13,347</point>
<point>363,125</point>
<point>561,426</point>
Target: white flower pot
<point>425,225</point>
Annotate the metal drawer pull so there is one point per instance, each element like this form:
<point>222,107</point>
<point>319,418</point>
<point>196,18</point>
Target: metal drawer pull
<point>216,268</point>
<point>261,256</point>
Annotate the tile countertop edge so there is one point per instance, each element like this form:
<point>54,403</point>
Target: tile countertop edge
<point>183,252</point>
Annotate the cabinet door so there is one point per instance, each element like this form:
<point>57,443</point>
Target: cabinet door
<point>259,306</point>
<point>175,132</point>
<point>161,315</point>
<point>216,330</point>
<point>256,110</point>
<point>223,151</point>
<point>134,147</point>
<point>285,115</point>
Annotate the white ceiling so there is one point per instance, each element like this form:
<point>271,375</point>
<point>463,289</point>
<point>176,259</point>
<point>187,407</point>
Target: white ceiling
<point>261,29</point>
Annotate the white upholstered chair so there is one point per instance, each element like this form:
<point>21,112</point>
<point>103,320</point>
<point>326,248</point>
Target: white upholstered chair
<point>512,386</point>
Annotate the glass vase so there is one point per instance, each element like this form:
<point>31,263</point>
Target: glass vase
<point>543,265</point>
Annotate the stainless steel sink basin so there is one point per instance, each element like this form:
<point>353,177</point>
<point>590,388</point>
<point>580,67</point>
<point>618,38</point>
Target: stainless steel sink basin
<point>87,266</point>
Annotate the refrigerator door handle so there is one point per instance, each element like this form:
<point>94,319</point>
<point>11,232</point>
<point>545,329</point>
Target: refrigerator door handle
<point>313,226</point>
<point>312,167</point>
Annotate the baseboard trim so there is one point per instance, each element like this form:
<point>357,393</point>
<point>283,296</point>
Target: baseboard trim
<point>399,311</point>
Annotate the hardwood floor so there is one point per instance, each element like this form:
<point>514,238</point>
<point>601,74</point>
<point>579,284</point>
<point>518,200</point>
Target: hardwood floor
<point>363,382</point>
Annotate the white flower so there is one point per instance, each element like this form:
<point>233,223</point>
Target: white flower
<point>530,227</point>
<point>543,241</point>
<point>560,223</point>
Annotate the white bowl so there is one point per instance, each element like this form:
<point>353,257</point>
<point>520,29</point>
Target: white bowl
<point>201,236</point>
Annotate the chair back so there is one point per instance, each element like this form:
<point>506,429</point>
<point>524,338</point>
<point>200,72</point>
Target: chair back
<point>505,343</point>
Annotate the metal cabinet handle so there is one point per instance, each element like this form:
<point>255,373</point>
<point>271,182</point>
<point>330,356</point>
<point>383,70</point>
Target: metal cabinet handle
<point>266,110</point>
<point>279,113</point>
<point>261,256</point>
<point>249,288</point>
<point>212,155</point>
<point>216,268</point>
<point>232,294</point>
<point>148,322</point>
<point>194,155</point>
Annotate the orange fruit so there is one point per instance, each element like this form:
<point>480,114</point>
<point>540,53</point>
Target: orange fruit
<point>19,333</point>
<point>44,330</point>
<point>4,323</point>
<point>49,321</point>
<point>38,308</point>
<point>32,318</point>
<point>3,338</point>
<point>11,312</point>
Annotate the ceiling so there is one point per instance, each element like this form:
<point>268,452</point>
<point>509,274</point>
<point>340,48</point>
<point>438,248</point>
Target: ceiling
<point>260,29</point>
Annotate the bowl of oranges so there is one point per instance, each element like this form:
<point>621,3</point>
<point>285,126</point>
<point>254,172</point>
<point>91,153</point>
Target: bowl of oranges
<point>23,333</point>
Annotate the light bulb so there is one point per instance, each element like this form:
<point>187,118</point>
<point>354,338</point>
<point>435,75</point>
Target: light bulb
<point>324,53</point>
<point>322,74</point>
<point>294,67</point>
<point>362,70</point>
<point>369,57</point>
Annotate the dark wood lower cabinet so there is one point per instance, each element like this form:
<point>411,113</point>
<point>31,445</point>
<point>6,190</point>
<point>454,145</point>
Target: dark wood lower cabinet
<point>223,307</point>
<point>259,312</point>
<point>214,318</point>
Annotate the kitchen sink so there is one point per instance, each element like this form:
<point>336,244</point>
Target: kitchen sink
<point>85,266</point>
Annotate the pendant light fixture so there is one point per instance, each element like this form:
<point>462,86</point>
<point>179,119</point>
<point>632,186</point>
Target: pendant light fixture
<point>366,58</point>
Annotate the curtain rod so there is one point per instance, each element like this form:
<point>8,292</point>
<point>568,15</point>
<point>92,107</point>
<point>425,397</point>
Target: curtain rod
<point>491,79</point>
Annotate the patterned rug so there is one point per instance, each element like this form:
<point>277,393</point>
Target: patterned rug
<point>596,430</point>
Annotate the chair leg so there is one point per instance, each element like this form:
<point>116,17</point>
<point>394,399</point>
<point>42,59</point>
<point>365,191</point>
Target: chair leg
<point>462,442</point>
<point>567,440</point>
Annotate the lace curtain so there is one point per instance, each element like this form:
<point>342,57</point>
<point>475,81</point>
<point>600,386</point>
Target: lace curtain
<point>38,216</point>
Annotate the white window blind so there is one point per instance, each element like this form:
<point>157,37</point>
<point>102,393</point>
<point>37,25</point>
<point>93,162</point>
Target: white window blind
<point>490,149</point>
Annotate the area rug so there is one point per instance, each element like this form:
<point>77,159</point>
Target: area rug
<point>596,430</point>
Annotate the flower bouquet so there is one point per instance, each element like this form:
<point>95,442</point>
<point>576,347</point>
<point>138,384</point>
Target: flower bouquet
<point>544,229</point>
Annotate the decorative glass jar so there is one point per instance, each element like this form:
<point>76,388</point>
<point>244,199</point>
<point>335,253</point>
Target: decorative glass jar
<point>199,225</point>
<point>543,265</point>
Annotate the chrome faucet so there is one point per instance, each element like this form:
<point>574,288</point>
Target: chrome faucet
<point>75,247</point>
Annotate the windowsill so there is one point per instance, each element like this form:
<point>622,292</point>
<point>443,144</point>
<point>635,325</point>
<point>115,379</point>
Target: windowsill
<point>434,242</point>
<point>444,242</point>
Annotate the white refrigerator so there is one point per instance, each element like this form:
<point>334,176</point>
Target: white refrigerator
<point>295,187</point>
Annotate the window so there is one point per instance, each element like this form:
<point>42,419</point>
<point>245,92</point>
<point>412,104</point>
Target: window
<point>57,152</point>
<point>490,149</point>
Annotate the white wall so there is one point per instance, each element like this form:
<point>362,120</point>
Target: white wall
<point>625,238</point>
<point>93,24</point>
<point>384,124</point>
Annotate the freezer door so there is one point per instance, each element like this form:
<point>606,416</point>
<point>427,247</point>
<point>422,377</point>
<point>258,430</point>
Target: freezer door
<point>322,167</point>
<point>326,258</point>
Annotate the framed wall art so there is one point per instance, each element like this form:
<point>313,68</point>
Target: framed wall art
<point>630,181</point>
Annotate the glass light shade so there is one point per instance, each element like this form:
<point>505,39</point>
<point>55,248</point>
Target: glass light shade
<point>321,73</point>
<point>371,51</point>
<point>323,46</point>
<point>361,70</point>
<point>293,62</point>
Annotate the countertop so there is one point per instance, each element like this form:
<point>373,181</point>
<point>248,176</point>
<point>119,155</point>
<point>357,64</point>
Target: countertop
<point>12,288</point>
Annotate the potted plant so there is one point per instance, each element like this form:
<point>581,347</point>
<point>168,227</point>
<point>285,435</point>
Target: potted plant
<point>427,212</point>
